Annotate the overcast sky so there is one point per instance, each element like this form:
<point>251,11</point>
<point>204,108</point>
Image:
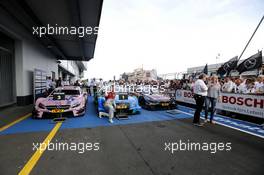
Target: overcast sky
<point>172,35</point>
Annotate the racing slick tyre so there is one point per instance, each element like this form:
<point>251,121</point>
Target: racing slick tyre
<point>152,108</point>
<point>84,112</point>
<point>33,114</point>
<point>142,102</point>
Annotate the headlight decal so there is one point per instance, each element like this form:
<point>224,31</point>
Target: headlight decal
<point>76,105</point>
<point>42,106</point>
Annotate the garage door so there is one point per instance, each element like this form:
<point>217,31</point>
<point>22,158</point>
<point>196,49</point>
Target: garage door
<point>6,78</point>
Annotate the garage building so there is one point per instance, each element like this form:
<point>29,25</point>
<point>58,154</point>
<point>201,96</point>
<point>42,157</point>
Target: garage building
<point>58,55</point>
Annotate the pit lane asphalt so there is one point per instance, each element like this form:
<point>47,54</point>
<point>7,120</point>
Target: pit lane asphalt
<point>137,149</point>
<point>9,114</point>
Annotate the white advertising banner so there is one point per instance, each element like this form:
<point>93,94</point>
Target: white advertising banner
<point>252,105</point>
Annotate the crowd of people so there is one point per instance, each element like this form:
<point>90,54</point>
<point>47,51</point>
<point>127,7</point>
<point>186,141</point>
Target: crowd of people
<point>51,84</point>
<point>253,85</point>
<point>206,90</point>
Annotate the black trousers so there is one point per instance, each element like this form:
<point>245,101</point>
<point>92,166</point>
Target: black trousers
<point>88,90</point>
<point>199,107</point>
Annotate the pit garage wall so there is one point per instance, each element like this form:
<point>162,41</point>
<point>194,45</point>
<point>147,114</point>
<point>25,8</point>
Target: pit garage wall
<point>34,56</point>
<point>29,54</point>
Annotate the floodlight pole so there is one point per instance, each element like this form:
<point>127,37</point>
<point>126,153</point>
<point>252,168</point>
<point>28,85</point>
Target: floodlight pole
<point>251,37</point>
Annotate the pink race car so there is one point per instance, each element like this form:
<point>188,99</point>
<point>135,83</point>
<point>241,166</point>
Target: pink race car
<point>64,101</point>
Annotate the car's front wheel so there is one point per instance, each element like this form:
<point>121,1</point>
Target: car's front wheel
<point>141,101</point>
<point>34,114</point>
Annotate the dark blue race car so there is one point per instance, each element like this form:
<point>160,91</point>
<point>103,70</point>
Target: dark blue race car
<point>156,101</point>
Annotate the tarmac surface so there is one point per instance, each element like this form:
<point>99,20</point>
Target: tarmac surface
<point>10,114</point>
<point>136,148</point>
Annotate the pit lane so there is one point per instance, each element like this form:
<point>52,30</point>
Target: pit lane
<point>134,146</point>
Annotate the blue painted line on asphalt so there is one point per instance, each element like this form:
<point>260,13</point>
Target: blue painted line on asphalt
<point>240,125</point>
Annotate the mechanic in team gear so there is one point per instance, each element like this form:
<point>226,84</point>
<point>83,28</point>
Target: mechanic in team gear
<point>110,103</point>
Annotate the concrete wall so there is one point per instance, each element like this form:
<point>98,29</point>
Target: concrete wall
<point>35,56</point>
<point>29,54</point>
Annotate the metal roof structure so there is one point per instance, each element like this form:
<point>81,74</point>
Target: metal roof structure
<point>65,13</point>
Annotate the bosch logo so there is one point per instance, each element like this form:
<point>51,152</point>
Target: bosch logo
<point>188,94</point>
<point>249,102</point>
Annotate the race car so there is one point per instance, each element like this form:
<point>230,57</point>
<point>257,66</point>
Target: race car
<point>155,100</point>
<point>64,101</point>
<point>125,104</point>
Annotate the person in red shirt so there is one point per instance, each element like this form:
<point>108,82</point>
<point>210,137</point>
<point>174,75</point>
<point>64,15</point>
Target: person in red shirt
<point>110,103</point>
<point>110,95</point>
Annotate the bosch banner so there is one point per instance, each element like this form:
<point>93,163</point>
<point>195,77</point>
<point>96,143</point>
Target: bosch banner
<point>252,105</point>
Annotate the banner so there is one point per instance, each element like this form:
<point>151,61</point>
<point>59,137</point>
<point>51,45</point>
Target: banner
<point>252,105</point>
<point>228,66</point>
<point>251,63</point>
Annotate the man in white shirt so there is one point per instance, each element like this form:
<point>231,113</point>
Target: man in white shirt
<point>251,88</point>
<point>200,92</point>
<point>229,85</point>
<point>101,83</point>
<point>241,86</point>
<point>259,85</point>
<point>48,83</point>
<point>92,85</point>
